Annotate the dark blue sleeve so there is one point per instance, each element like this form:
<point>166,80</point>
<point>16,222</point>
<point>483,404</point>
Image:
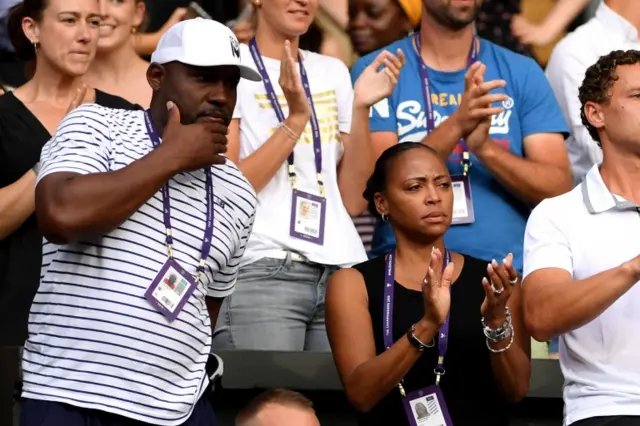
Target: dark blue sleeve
<point>539,109</point>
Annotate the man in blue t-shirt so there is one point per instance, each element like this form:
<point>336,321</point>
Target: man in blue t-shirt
<point>515,147</point>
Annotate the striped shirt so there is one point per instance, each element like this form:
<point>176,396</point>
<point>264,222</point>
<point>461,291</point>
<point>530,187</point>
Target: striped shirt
<point>94,340</point>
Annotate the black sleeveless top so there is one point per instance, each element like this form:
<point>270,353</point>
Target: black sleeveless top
<point>22,137</point>
<point>469,389</point>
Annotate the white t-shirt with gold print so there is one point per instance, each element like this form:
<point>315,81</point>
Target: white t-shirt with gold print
<point>332,93</point>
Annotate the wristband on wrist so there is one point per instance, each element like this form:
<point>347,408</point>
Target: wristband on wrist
<point>417,343</point>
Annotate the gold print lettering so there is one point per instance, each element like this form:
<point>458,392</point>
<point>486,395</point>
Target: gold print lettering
<point>434,99</point>
<point>453,100</point>
<point>443,99</point>
<point>326,108</point>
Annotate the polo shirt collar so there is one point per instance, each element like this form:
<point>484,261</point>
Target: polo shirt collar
<point>615,23</point>
<point>597,197</point>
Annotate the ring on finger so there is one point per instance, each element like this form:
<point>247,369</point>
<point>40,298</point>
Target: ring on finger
<point>497,291</point>
<point>513,281</point>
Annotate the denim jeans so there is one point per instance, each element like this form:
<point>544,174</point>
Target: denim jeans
<point>277,305</point>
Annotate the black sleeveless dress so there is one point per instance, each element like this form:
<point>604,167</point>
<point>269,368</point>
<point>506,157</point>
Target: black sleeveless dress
<point>469,388</point>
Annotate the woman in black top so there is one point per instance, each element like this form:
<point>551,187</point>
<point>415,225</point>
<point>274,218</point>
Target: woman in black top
<point>61,37</point>
<point>486,367</point>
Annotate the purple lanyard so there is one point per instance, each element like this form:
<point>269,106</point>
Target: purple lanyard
<point>315,127</point>
<point>387,312</point>
<point>208,230</point>
<point>426,91</point>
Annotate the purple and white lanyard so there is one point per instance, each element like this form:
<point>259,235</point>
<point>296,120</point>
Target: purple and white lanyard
<point>315,127</point>
<point>387,314</point>
<point>426,91</point>
<point>166,207</point>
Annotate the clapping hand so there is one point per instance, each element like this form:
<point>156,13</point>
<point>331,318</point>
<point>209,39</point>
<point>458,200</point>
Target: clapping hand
<point>436,290</point>
<point>498,289</point>
<point>378,80</point>
<point>476,104</point>
<point>291,86</point>
<point>78,99</point>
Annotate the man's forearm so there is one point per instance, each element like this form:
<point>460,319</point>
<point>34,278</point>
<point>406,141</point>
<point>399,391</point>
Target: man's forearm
<point>529,180</point>
<point>357,162</point>
<point>445,137</point>
<point>554,308</point>
<point>70,206</point>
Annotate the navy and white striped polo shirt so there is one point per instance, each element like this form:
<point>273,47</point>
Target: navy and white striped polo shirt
<point>94,340</point>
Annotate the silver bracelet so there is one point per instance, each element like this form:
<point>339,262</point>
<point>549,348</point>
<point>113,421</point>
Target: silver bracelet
<point>498,334</point>
<point>292,135</point>
<point>506,348</point>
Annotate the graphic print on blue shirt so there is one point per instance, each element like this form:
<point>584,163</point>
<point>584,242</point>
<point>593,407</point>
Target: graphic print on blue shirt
<point>500,217</point>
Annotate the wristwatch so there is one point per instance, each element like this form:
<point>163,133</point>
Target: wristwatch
<point>415,342</point>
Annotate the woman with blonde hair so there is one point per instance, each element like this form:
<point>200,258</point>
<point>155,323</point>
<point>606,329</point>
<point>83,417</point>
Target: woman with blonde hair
<point>117,68</point>
<point>300,136</point>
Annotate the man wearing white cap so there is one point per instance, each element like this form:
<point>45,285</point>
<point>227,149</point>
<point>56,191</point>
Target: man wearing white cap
<point>145,222</point>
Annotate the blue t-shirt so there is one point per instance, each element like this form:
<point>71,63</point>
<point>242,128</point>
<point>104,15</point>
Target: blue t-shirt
<point>500,217</point>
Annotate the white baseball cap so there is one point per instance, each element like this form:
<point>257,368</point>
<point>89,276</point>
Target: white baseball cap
<point>202,43</point>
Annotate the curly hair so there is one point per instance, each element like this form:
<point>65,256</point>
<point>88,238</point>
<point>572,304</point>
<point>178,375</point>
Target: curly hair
<point>599,79</point>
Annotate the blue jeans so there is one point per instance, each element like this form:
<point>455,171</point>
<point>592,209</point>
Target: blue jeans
<point>278,305</point>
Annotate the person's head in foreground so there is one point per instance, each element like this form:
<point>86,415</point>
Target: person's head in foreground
<point>610,98</point>
<point>278,407</point>
<point>197,67</point>
<point>411,188</point>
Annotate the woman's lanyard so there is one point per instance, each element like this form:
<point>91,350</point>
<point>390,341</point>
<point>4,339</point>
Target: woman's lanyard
<point>166,207</point>
<point>387,316</point>
<point>426,91</point>
<point>315,127</point>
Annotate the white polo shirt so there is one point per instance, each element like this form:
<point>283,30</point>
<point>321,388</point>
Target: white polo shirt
<point>585,232</point>
<point>94,340</point>
<point>571,57</point>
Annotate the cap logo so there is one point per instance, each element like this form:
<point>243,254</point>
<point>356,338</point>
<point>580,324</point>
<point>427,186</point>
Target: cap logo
<point>235,47</point>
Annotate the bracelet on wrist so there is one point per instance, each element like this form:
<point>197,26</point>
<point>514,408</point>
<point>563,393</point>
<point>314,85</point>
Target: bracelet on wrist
<point>287,131</point>
<point>506,348</point>
<point>501,333</point>
<point>416,342</point>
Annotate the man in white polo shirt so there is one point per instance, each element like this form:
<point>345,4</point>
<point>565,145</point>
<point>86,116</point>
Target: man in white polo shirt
<point>581,257</point>
<point>146,222</point>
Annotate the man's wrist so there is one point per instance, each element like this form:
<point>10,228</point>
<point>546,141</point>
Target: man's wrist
<point>163,159</point>
<point>454,125</point>
<point>485,150</point>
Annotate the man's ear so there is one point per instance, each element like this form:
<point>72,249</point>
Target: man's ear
<point>155,74</point>
<point>594,114</point>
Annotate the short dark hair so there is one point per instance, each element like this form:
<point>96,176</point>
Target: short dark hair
<point>598,80</point>
<point>378,180</point>
<point>26,9</point>
<point>272,396</point>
